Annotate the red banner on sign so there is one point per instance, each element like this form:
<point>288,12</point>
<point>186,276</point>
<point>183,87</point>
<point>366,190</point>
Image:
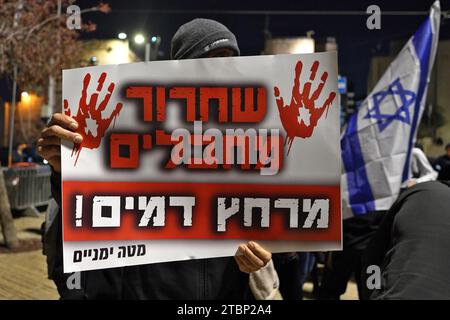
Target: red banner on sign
<point>294,212</point>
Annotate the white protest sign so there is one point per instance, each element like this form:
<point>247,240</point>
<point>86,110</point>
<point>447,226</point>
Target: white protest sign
<point>187,159</point>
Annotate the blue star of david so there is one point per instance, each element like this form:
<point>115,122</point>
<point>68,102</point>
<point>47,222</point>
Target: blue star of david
<point>402,113</point>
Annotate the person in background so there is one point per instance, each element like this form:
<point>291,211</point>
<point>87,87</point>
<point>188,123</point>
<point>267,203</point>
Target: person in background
<point>411,248</point>
<point>293,270</point>
<point>442,164</point>
<point>357,234</point>
<point>20,152</point>
<point>218,278</point>
<point>340,266</point>
<point>421,169</point>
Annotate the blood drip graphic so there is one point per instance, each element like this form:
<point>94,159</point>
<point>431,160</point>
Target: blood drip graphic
<point>91,125</point>
<point>301,116</point>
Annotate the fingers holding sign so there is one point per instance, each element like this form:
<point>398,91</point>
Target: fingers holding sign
<point>251,257</point>
<point>60,127</point>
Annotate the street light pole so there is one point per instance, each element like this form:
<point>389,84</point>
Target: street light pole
<point>11,117</point>
<point>147,51</point>
<point>154,41</point>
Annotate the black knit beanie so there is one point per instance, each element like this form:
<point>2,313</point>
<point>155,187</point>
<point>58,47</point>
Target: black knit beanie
<point>200,36</point>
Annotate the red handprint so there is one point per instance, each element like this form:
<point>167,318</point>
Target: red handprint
<point>91,125</point>
<point>300,117</point>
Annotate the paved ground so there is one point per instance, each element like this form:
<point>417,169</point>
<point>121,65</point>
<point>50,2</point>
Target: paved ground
<point>23,275</point>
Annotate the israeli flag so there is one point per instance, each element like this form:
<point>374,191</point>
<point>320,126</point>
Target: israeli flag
<point>377,142</point>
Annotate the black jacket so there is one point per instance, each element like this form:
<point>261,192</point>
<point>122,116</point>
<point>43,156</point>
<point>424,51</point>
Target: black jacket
<point>412,245</point>
<point>204,279</point>
<point>442,165</point>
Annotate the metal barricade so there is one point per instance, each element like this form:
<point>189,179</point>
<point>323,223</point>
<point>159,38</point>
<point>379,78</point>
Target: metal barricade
<point>28,187</point>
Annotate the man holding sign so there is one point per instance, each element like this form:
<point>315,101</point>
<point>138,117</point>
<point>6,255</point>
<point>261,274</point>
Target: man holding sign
<point>183,160</point>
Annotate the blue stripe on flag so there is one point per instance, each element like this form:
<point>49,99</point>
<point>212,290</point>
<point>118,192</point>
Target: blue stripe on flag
<point>422,41</point>
<point>360,194</point>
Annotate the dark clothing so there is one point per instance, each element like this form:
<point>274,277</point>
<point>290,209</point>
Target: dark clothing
<point>199,37</point>
<point>293,269</point>
<point>288,269</point>
<point>412,245</point>
<point>341,265</point>
<point>205,279</point>
<point>442,166</point>
<point>359,230</point>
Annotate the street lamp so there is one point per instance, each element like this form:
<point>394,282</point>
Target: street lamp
<point>25,100</point>
<point>149,42</point>
<point>122,36</point>
<point>25,96</point>
<point>139,39</point>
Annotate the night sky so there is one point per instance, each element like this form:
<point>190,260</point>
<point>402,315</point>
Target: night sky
<point>356,43</point>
